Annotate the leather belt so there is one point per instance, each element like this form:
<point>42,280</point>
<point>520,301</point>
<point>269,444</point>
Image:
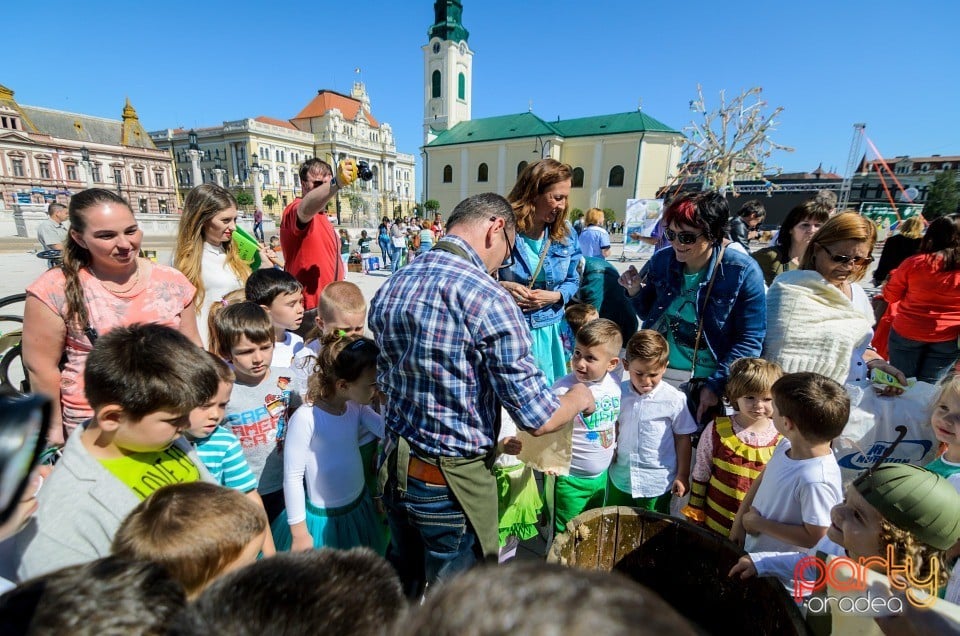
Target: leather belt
<point>425,472</point>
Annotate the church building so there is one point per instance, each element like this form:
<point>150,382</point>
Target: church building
<point>614,157</point>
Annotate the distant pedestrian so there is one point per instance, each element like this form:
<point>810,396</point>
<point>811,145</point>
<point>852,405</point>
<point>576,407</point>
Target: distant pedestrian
<point>258,225</point>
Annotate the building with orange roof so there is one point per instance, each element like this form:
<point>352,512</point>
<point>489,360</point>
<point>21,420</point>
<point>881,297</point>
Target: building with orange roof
<point>332,126</point>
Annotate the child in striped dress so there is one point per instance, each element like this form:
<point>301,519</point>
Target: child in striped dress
<point>734,449</point>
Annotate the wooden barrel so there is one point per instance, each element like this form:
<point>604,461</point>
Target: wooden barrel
<point>685,564</point>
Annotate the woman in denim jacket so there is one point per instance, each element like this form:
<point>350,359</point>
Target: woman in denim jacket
<point>540,200</point>
<point>670,295</point>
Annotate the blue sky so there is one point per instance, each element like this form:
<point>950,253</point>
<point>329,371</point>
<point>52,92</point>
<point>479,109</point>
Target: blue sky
<point>198,63</point>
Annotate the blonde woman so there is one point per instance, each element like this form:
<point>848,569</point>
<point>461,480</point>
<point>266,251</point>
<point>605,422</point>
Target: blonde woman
<point>594,240</point>
<point>899,248</point>
<point>205,253</point>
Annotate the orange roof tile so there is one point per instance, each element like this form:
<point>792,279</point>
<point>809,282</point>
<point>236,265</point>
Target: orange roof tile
<point>327,100</point>
<point>263,119</point>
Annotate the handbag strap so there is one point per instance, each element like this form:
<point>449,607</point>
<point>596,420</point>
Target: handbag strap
<point>706,299</point>
<point>543,257</point>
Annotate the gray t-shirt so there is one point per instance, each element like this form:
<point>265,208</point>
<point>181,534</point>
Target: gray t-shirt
<point>50,233</point>
<point>255,414</point>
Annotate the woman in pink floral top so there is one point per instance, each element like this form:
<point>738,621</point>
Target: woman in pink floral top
<point>101,285</point>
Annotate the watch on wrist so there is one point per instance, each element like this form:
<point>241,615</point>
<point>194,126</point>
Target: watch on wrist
<point>334,184</point>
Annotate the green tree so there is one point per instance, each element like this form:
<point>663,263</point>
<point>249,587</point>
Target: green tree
<point>609,215</point>
<point>431,205</point>
<point>243,198</point>
<point>943,198</point>
<point>270,201</point>
<point>357,203</point>
<point>575,214</point>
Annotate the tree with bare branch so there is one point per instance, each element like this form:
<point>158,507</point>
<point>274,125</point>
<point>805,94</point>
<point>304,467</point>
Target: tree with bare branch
<point>732,141</point>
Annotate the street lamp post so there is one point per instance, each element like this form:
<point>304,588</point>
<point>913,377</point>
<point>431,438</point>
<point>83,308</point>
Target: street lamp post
<point>85,158</point>
<point>255,173</point>
<point>194,153</point>
<point>544,144</point>
<point>218,173</point>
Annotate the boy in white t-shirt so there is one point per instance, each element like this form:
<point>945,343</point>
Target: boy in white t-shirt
<point>595,355</point>
<point>654,449</point>
<point>787,509</point>
<point>281,295</point>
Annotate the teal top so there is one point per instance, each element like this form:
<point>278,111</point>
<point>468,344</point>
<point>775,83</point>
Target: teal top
<point>679,327</point>
<point>534,247</point>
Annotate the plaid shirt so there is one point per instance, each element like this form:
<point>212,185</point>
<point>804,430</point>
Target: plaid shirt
<point>452,342</point>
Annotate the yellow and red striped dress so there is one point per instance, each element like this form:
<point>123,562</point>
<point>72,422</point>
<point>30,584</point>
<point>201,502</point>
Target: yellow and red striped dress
<point>725,472</point>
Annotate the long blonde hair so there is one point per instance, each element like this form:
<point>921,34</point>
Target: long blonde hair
<point>202,204</point>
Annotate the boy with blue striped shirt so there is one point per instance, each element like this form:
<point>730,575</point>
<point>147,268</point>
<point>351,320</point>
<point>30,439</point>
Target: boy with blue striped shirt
<point>218,448</point>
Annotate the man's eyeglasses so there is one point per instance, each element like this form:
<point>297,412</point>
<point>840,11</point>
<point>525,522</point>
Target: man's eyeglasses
<point>684,238</point>
<point>509,260</point>
<point>843,259</point>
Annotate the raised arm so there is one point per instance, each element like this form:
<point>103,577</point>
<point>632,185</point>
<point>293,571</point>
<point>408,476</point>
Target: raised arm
<point>44,339</point>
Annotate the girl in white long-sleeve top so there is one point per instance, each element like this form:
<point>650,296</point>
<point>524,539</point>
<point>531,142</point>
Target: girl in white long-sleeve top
<point>322,450</point>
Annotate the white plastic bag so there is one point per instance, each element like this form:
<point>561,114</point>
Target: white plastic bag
<point>871,428</point>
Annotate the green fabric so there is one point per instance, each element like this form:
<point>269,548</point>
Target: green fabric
<point>146,472</point>
<point>616,497</point>
<point>683,309</point>
<point>574,495</point>
<point>519,501</point>
<point>915,500</point>
<point>472,482</point>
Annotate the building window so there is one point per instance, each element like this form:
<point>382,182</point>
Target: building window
<point>71,172</point>
<point>435,84</point>
<point>925,167</point>
<point>138,177</point>
<point>482,173</point>
<point>946,167</point>
<point>143,205</point>
<point>616,177</point>
<point>44,170</point>
<point>577,178</point>
<point>117,175</point>
<point>158,179</point>
<point>461,86</point>
<point>448,174</point>
<point>282,177</point>
<point>17,167</point>
<point>95,172</point>
<point>521,167</point>
<point>162,204</point>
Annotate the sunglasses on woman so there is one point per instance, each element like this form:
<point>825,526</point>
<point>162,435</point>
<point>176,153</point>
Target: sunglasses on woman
<point>684,238</point>
<point>844,259</point>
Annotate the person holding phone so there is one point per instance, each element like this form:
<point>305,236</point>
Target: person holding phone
<point>706,300</point>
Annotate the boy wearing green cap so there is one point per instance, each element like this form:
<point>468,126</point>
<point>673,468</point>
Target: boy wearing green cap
<point>895,510</point>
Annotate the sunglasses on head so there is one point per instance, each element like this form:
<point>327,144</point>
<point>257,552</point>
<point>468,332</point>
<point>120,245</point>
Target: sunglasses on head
<point>844,259</point>
<point>684,238</point>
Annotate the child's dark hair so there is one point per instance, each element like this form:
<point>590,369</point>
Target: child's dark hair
<point>148,368</point>
<point>194,530</point>
<point>650,346</point>
<point>601,332</point>
<point>579,314</point>
<point>322,591</point>
<point>340,358</point>
<point>238,320</point>
<point>224,372</point>
<point>817,405</point>
<point>751,376</point>
<point>265,284</point>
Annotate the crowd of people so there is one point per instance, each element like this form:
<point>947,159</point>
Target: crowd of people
<point>214,416</point>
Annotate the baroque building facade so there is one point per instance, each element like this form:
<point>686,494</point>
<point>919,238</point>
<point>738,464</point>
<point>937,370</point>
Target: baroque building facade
<point>332,126</point>
<point>47,155</point>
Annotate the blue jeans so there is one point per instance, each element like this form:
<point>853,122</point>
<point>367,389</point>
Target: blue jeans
<point>386,249</point>
<point>430,539</point>
<point>922,360</point>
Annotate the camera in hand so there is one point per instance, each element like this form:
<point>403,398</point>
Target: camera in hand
<point>364,171</point>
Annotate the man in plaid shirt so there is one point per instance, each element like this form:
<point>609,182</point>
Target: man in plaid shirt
<point>453,348</point>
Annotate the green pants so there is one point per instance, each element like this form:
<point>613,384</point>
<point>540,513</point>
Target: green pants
<point>616,497</point>
<point>573,495</point>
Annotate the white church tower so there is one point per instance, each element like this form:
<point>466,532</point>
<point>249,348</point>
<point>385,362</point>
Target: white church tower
<point>447,71</point>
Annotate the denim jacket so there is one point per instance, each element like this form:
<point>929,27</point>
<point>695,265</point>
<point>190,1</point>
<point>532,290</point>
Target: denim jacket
<point>735,318</point>
<point>560,270</point>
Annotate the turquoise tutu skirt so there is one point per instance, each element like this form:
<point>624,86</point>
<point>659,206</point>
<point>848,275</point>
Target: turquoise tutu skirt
<point>350,526</point>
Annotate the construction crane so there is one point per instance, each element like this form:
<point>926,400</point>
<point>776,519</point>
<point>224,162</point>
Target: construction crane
<point>855,146</point>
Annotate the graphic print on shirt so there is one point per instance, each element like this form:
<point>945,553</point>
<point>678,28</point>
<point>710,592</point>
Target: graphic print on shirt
<point>600,425</point>
<point>264,424</point>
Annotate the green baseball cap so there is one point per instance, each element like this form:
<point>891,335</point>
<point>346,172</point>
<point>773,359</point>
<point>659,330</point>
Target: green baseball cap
<point>914,499</point>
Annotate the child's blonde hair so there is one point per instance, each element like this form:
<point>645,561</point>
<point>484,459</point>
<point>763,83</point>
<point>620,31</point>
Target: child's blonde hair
<point>650,346</point>
<point>579,314</point>
<point>751,376</point>
<point>601,333</point>
<point>194,530</point>
<point>341,296</point>
<point>919,556</point>
<point>238,320</point>
<point>340,358</point>
<point>230,298</point>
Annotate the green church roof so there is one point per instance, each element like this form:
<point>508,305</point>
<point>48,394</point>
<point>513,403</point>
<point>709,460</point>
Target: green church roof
<point>529,125</point>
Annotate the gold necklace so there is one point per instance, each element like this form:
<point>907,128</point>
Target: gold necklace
<point>116,289</point>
